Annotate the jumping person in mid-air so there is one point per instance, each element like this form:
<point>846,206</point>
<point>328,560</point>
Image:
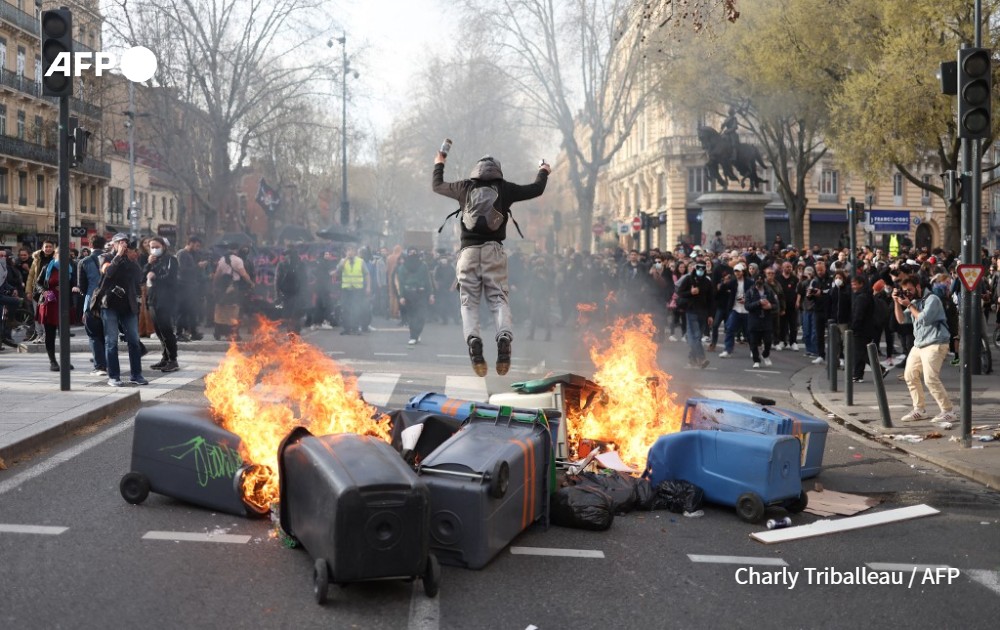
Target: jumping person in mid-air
<point>484,205</point>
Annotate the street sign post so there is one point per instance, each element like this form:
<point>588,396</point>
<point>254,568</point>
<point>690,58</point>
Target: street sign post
<point>970,275</point>
<point>636,224</point>
<point>623,228</point>
<point>598,229</point>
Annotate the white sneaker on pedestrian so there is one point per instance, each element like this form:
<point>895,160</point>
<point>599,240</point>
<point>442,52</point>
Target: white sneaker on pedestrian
<point>372,329</point>
<point>724,355</point>
<point>945,416</point>
<point>916,414</point>
<point>412,342</point>
<point>767,362</point>
<point>756,366</point>
<point>795,347</point>
<point>780,346</point>
<point>841,363</point>
<point>673,338</point>
<point>900,357</point>
<point>817,360</point>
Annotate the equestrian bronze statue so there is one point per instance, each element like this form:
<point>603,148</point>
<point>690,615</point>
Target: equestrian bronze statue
<point>726,153</point>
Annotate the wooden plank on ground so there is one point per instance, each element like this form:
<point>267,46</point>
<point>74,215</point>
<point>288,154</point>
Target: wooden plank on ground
<point>821,528</point>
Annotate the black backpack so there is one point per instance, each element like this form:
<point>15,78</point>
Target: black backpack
<point>483,210</point>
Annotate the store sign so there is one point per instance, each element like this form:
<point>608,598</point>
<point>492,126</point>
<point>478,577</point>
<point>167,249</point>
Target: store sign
<point>894,221</point>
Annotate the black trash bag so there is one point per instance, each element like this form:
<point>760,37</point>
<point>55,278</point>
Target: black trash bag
<point>645,496</point>
<point>619,486</point>
<point>678,496</point>
<point>437,430</point>
<point>582,507</point>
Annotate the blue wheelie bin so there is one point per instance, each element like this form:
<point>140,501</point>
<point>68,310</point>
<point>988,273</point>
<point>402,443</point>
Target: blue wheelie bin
<point>441,404</point>
<point>726,415</point>
<point>745,470</point>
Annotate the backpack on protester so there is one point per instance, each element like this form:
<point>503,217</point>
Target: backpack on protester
<point>482,212</point>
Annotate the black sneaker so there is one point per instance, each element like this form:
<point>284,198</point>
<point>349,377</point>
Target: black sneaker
<point>503,354</point>
<point>169,366</point>
<point>159,365</point>
<point>476,354</point>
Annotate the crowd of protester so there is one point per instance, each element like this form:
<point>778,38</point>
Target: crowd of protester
<point>775,298</point>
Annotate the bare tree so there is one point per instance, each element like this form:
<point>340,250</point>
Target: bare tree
<point>238,61</point>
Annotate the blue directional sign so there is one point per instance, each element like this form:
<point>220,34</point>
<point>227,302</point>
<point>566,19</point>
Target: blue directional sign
<point>890,220</point>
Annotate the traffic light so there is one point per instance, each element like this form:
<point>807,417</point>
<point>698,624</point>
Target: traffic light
<point>78,145</point>
<point>57,38</point>
<point>975,93</point>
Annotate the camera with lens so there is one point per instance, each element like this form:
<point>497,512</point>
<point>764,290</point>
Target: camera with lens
<point>118,292</point>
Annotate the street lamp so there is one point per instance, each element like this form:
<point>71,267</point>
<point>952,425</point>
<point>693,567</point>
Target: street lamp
<point>345,208</point>
<point>133,207</point>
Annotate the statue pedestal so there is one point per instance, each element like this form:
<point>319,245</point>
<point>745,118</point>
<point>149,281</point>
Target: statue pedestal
<point>738,215</point>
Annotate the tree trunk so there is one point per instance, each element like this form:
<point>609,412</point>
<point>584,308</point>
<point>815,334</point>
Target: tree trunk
<point>585,210</point>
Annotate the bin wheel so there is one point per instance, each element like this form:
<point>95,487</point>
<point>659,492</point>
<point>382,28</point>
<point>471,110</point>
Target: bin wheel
<point>798,504</point>
<point>499,479</point>
<point>321,580</point>
<point>134,487</point>
<point>432,576</point>
<point>750,507</point>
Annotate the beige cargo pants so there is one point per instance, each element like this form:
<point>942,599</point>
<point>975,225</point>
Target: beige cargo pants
<point>482,269</point>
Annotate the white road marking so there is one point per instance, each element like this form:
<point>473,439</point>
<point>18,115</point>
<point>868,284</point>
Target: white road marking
<point>336,352</point>
<point>425,612</point>
<point>466,387</point>
<point>59,458</point>
<point>989,579</point>
<point>453,356</point>
<point>377,387</point>
<point>900,566</point>
<point>758,371</point>
<point>744,560</point>
<point>194,537</point>
<point>389,354</point>
<point>552,551</point>
<point>43,530</point>
<point>723,394</point>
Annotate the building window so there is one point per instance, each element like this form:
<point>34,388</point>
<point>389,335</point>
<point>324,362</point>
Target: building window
<point>93,200</point>
<point>83,199</point>
<point>20,125</point>
<point>38,73</point>
<point>829,183</point>
<point>897,189</point>
<point>3,120</point>
<point>662,200</point>
<point>40,191</point>
<point>171,208</point>
<point>163,208</point>
<point>116,204</point>
<point>925,195</point>
<point>3,53</point>
<point>38,130</point>
<point>22,188</point>
<point>4,176</point>
<point>698,181</point>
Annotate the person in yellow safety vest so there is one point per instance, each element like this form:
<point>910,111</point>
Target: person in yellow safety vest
<point>355,287</point>
<point>893,246</point>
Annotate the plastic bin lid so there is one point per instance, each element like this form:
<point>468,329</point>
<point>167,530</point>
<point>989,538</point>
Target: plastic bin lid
<point>549,383</point>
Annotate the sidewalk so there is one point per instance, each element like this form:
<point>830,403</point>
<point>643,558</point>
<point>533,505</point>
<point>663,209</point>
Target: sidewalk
<point>811,387</point>
<point>36,411</point>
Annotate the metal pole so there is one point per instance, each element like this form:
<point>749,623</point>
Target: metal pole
<point>976,255</point>
<point>65,297</point>
<point>883,402</point>
<point>345,209</point>
<point>852,222</point>
<point>965,314</point>
<point>133,211</point>
<point>849,368</point>
<point>831,354</point>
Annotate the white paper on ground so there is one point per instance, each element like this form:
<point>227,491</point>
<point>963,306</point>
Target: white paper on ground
<point>612,460</point>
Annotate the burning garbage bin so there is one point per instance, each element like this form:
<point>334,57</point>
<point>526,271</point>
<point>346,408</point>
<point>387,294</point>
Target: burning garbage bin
<point>725,415</point>
<point>180,452</point>
<point>488,483</point>
<point>744,470</point>
<point>357,508</point>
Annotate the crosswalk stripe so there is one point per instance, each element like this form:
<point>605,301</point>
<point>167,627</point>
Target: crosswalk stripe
<point>722,394</point>
<point>44,530</point>
<point>377,387</point>
<point>196,537</point>
<point>775,562</point>
<point>466,388</point>
<point>989,579</point>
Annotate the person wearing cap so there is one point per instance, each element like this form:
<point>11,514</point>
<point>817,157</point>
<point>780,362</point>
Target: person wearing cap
<point>482,263</point>
<point>736,291</point>
<point>716,246</point>
<point>696,296</point>
<point>118,301</point>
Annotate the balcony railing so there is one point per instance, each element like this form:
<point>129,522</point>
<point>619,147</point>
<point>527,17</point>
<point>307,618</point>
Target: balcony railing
<point>38,153</point>
<point>85,108</point>
<point>19,82</point>
<point>17,17</point>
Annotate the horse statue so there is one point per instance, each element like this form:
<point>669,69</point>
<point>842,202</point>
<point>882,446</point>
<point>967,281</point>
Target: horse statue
<point>720,155</point>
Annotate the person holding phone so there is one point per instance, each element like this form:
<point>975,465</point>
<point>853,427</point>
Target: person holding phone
<point>117,299</point>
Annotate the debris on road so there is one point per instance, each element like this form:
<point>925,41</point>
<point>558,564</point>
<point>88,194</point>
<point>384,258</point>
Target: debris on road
<point>582,507</point>
<point>821,528</point>
<point>829,502</point>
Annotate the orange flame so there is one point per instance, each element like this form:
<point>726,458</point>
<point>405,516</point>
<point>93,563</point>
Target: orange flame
<point>282,382</point>
<point>635,406</point>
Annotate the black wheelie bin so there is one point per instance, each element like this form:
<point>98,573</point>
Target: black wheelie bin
<point>488,483</point>
<point>357,508</point>
<point>178,451</point>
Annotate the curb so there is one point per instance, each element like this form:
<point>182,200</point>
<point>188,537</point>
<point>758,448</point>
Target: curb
<point>152,346</point>
<point>60,426</point>
<point>989,480</point>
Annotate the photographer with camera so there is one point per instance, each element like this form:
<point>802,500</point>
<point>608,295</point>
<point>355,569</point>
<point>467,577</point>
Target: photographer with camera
<point>930,347</point>
<point>117,300</point>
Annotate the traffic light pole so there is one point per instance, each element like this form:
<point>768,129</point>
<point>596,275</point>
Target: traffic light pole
<point>65,295</point>
<point>966,313</point>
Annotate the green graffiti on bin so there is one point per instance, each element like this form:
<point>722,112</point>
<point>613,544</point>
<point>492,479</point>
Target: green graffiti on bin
<point>211,461</point>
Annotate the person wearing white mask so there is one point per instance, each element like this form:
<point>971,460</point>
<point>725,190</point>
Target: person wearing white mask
<point>160,275</point>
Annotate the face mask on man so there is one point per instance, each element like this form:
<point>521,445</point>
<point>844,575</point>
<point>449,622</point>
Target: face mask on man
<point>659,266</point>
<point>699,272</point>
<point>156,251</point>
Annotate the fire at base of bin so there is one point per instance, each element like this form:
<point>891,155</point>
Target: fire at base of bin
<point>178,451</point>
